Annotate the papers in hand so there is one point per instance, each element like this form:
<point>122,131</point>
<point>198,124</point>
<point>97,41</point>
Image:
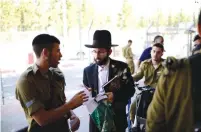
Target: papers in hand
<point>92,102</point>
<point>100,97</point>
<point>88,93</point>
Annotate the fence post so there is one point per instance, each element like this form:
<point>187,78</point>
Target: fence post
<point>2,90</point>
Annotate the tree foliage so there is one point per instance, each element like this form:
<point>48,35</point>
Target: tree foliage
<point>35,15</point>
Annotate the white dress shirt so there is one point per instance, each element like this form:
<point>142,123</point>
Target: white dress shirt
<point>103,75</point>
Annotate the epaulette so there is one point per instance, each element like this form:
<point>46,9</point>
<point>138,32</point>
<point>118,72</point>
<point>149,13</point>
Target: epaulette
<point>146,61</point>
<point>57,73</point>
<point>28,71</point>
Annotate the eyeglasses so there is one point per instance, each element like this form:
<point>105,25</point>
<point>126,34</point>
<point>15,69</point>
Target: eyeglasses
<point>100,52</point>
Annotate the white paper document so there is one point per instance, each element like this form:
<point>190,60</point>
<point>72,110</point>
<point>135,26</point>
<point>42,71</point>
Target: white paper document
<point>88,93</point>
<point>100,97</point>
<point>92,102</point>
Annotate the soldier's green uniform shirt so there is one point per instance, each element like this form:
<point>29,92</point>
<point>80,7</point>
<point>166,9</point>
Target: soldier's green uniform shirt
<point>35,90</point>
<point>128,54</point>
<point>151,76</point>
<point>173,109</point>
<point>150,73</point>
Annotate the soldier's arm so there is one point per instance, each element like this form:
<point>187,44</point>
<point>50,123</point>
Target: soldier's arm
<point>43,117</point>
<point>140,73</point>
<point>130,53</point>
<point>28,98</point>
<point>156,112</point>
<point>138,64</point>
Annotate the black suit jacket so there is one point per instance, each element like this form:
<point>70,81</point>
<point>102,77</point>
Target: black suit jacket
<point>121,96</point>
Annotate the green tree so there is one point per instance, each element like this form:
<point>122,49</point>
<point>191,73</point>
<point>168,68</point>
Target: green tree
<point>6,15</point>
<point>141,23</point>
<point>25,15</point>
<point>170,20</point>
<point>108,20</point>
<point>125,15</point>
<point>159,19</point>
<point>119,21</point>
<point>86,13</point>
<point>181,17</point>
<point>53,16</point>
<point>70,11</point>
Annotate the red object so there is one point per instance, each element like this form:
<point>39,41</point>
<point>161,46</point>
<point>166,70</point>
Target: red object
<point>30,58</point>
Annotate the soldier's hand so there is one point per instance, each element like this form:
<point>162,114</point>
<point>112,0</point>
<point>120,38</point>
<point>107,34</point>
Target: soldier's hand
<point>74,123</point>
<point>110,96</point>
<point>78,99</point>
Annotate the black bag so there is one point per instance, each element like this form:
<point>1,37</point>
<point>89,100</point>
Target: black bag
<point>143,101</point>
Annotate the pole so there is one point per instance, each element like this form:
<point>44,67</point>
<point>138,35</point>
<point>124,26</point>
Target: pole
<point>190,46</point>
<point>80,34</point>
<point>80,30</point>
<point>148,33</point>
<point>2,90</point>
<point>89,39</point>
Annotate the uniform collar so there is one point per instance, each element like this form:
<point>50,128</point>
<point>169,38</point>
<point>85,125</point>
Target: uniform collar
<point>36,70</point>
<point>160,64</point>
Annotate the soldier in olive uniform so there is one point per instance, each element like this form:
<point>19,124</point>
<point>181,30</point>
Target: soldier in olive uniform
<point>176,104</point>
<point>39,93</point>
<point>59,98</point>
<point>151,70</point>
<point>128,54</point>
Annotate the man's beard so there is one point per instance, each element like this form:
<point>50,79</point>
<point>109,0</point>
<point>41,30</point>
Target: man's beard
<point>102,62</point>
<point>51,63</point>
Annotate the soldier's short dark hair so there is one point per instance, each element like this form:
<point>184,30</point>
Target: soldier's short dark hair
<point>42,41</point>
<point>159,46</point>
<point>129,41</point>
<point>157,37</point>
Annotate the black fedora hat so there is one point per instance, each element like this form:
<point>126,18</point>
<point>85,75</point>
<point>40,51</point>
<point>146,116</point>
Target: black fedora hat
<point>101,39</point>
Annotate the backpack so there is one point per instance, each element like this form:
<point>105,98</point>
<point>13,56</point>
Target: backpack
<point>145,98</point>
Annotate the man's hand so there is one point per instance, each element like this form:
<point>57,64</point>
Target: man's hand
<point>74,123</point>
<point>78,99</point>
<point>110,96</point>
